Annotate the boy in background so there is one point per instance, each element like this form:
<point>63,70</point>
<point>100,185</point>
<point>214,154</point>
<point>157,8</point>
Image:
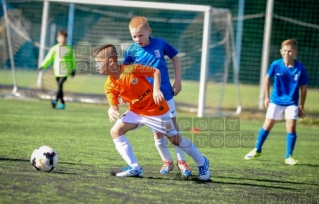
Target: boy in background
<point>151,51</point>
<point>62,57</point>
<point>146,107</point>
<point>289,77</point>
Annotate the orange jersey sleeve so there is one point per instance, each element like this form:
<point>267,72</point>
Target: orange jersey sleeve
<point>111,92</point>
<point>134,88</point>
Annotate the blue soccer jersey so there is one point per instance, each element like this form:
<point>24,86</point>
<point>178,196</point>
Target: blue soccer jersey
<point>153,56</point>
<point>287,82</point>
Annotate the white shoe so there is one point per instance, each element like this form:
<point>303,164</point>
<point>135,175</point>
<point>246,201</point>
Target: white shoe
<point>291,161</point>
<point>252,154</point>
<point>131,173</point>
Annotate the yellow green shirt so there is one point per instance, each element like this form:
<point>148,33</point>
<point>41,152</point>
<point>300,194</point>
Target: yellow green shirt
<point>62,57</point>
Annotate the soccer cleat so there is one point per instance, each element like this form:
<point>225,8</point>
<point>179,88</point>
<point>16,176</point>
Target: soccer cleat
<point>184,168</point>
<point>252,154</point>
<point>167,167</point>
<point>131,173</point>
<point>61,106</point>
<point>204,173</point>
<point>291,161</point>
<point>53,103</point>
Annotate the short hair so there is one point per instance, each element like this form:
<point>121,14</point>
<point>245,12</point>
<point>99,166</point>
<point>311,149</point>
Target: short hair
<point>291,42</point>
<point>138,22</point>
<point>63,32</point>
<point>112,52</point>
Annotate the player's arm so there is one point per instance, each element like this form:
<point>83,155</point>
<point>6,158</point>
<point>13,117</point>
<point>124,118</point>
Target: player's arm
<point>157,94</point>
<point>49,58</point>
<point>177,86</point>
<point>113,100</point>
<point>266,88</point>
<point>114,112</point>
<point>303,96</point>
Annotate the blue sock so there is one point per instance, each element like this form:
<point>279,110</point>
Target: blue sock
<point>290,143</point>
<point>262,136</point>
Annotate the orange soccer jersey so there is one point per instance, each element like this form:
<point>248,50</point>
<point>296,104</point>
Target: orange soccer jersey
<point>134,89</point>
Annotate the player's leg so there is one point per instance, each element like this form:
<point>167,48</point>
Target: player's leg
<point>164,124</point>
<point>127,122</point>
<point>55,101</point>
<point>291,115</point>
<point>60,94</point>
<point>162,148</point>
<point>189,148</point>
<point>180,154</point>
<point>274,113</point>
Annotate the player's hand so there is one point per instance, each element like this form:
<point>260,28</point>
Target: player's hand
<point>73,73</point>
<point>158,96</point>
<point>114,114</point>
<point>266,102</point>
<point>301,112</point>
<point>39,69</point>
<point>177,87</point>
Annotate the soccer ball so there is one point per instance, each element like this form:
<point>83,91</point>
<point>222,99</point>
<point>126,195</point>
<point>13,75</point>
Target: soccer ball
<point>44,158</point>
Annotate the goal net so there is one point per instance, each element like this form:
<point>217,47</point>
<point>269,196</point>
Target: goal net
<point>96,24</point>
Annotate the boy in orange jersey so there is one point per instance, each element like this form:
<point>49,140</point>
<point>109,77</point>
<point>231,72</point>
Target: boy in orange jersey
<point>146,107</point>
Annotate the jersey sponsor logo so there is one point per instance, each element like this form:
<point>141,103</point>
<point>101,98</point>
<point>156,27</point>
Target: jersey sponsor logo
<point>134,81</point>
<point>142,96</point>
<point>157,53</point>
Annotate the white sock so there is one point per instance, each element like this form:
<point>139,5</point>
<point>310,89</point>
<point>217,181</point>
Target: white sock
<point>180,154</point>
<point>125,149</point>
<point>187,146</point>
<point>162,147</point>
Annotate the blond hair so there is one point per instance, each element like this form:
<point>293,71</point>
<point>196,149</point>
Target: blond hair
<point>139,22</point>
<point>291,42</point>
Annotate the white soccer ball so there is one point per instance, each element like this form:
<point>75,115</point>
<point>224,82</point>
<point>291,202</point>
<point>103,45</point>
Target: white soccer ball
<point>44,158</point>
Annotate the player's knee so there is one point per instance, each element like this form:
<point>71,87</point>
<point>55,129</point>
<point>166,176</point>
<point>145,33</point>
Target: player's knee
<point>114,132</point>
<point>175,140</point>
<point>158,135</point>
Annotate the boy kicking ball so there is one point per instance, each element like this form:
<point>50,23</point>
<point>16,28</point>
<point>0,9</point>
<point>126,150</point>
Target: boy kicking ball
<point>146,107</point>
<point>289,76</point>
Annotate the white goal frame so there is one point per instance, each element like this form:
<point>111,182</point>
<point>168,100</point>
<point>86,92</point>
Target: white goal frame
<point>207,10</point>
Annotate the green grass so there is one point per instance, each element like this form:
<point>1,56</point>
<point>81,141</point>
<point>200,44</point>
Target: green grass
<point>94,84</point>
<point>80,135</point>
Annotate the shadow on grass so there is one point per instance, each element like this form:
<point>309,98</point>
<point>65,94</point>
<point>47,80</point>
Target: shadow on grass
<point>26,160</point>
<point>310,165</point>
<point>178,177</point>
<point>268,180</point>
<point>62,172</point>
<point>254,185</point>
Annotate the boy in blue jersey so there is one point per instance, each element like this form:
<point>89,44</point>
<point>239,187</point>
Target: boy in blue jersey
<point>151,52</point>
<point>289,76</point>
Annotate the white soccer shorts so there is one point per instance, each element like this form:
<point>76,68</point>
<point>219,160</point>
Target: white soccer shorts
<point>162,123</point>
<point>172,108</point>
<point>276,112</point>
